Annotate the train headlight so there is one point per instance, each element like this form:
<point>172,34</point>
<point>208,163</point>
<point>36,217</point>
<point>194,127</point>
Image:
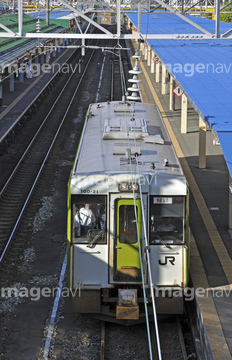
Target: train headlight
<point>123,187</point>
<point>127,297</point>
<point>128,187</point>
<point>134,187</point>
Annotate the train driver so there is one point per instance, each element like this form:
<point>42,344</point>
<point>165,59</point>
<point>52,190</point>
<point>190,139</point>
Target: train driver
<point>166,225</point>
<point>84,220</point>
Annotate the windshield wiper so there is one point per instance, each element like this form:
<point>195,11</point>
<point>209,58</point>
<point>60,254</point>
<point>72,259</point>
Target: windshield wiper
<point>163,242</point>
<point>96,238</point>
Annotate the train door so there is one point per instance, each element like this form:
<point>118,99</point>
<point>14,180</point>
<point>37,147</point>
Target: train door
<point>127,234</point>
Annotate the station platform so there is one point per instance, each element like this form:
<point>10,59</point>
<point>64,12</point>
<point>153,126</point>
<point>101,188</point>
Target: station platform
<point>211,243</point>
<point>16,103</point>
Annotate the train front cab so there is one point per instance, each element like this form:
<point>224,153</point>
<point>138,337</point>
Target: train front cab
<point>104,262</point>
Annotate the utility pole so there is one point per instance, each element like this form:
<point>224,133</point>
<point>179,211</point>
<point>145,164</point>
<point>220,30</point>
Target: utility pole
<point>217,21</point>
<point>47,11</point>
<point>20,17</point>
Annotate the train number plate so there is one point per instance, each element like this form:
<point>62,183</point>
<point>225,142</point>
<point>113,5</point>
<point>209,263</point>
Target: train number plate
<point>127,313</point>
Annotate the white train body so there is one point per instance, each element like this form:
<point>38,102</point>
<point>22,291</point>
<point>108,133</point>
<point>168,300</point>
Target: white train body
<point>129,187</point>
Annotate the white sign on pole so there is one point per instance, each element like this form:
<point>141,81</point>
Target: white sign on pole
<point>156,59</point>
<point>178,91</point>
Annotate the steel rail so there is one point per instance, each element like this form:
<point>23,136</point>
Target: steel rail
<point>31,104</point>
<point>181,338</point>
<point>103,340</point>
<point>46,156</point>
<point>51,326</point>
<point>38,131</point>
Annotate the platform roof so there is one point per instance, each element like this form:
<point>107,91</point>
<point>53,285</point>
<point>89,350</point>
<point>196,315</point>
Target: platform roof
<point>203,68</point>
<point>29,25</point>
<point>53,14</point>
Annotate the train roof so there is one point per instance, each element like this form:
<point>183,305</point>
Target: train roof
<point>116,131</point>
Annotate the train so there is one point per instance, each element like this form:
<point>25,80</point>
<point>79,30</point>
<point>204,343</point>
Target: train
<point>127,216</point>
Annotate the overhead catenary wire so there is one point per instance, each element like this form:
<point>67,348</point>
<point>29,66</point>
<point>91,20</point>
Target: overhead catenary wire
<point>149,268</point>
<point>146,248</point>
<point>140,252</point>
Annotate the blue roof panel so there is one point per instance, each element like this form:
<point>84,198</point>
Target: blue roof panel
<point>168,23</point>
<point>202,67</point>
<point>54,14</point>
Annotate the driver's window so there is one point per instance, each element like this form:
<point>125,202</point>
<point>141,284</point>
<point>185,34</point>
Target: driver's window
<point>167,219</point>
<point>89,219</point>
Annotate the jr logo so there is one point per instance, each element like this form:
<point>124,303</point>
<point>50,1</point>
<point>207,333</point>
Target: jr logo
<point>171,259</point>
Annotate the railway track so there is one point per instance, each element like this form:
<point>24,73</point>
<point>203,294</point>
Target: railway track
<point>118,76</point>
<point>14,194</point>
<point>22,181</point>
<point>119,342</point>
<point>24,178</point>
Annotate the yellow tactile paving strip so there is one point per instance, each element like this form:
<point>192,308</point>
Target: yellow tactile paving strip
<point>209,313</point>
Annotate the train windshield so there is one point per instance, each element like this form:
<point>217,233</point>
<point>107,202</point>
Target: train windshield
<point>167,220</point>
<point>89,219</point>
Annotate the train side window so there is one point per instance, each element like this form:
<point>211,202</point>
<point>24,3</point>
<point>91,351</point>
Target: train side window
<point>89,219</point>
<point>167,219</point>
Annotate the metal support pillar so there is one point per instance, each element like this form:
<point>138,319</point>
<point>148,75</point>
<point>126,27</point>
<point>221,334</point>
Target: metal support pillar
<point>149,56</point>
<point>172,95</point>
<point>48,55</point>
<point>118,18</point>
<point>21,75</point>
<point>145,51</point>
<point>152,62</point>
<point>184,108</point>
<point>54,50</point>
<point>202,143</point>
<point>42,57</point>
<point>139,17</point>
<point>164,74</point>
<point>36,56</point>
<point>217,21</point>
<point>157,72</point>
<point>20,17</point>
<point>12,82</point>
<point>83,48</point>
<point>47,11</point>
